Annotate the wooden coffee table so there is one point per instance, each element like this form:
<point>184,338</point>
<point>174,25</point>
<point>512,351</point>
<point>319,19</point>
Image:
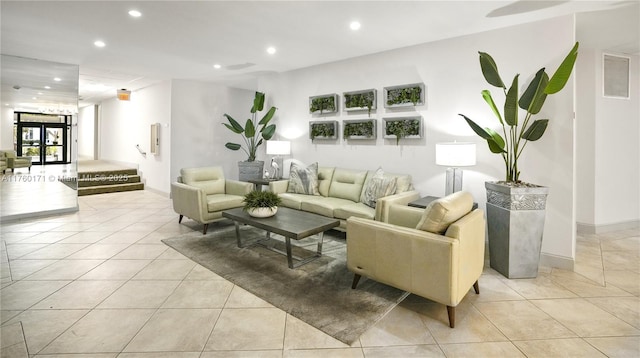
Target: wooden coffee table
<point>290,223</point>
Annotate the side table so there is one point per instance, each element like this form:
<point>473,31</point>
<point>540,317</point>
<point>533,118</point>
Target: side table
<point>425,201</point>
<point>260,182</point>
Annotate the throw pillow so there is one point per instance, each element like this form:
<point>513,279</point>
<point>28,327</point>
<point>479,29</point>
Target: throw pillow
<point>303,180</point>
<point>377,187</point>
<point>445,211</point>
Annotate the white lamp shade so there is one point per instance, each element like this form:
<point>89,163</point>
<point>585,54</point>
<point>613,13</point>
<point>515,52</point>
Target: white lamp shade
<point>278,147</point>
<point>456,154</point>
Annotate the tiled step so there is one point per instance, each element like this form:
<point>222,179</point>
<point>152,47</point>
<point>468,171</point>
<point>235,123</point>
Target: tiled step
<point>100,182</point>
<point>113,188</point>
<point>108,180</point>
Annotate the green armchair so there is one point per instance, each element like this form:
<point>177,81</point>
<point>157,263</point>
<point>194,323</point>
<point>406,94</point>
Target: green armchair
<point>13,161</point>
<point>202,194</point>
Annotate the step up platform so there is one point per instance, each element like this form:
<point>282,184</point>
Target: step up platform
<point>108,181</point>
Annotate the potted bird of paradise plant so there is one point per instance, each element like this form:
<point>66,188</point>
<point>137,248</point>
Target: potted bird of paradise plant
<point>515,209</point>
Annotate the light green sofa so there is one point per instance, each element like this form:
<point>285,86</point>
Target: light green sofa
<point>340,195</point>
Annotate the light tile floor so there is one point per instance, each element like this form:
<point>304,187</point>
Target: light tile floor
<point>100,283</point>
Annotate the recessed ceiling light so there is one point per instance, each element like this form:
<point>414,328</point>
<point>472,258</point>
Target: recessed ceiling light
<point>354,25</point>
<point>57,79</point>
<point>99,43</point>
<point>47,87</point>
<point>271,50</point>
<point>34,97</point>
<point>40,93</point>
<point>135,13</point>
<point>217,66</point>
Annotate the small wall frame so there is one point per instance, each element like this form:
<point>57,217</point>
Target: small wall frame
<point>323,130</point>
<point>402,127</point>
<point>363,100</point>
<point>359,129</point>
<point>324,104</point>
<point>404,95</point>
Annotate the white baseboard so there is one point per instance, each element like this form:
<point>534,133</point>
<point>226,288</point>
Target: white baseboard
<point>599,229</point>
<point>561,262</point>
<point>156,191</point>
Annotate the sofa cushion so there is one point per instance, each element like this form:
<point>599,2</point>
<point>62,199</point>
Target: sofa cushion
<point>354,209</point>
<point>303,180</point>
<point>324,179</point>
<point>209,179</point>
<point>219,202</point>
<point>324,206</point>
<point>347,184</point>
<point>377,186</point>
<point>443,212</point>
<point>294,201</point>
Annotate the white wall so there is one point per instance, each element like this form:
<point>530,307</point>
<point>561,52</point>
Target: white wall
<point>197,133</point>
<point>608,129</point>
<point>87,132</point>
<point>453,80</point>
<point>6,128</point>
<point>124,124</point>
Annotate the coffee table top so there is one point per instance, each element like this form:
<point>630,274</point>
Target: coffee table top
<point>291,223</point>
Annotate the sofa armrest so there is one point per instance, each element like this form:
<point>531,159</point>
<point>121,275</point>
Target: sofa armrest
<point>279,186</point>
<point>383,204</point>
<point>235,187</point>
<point>189,201</point>
<point>405,216</point>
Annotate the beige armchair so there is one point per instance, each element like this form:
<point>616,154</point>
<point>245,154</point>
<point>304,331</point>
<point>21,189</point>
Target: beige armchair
<point>13,161</point>
<point>3,164</point>
<point>201,194</point>
<point>441,265</point>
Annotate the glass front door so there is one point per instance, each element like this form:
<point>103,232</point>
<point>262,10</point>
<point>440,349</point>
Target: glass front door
<point>45,143</point>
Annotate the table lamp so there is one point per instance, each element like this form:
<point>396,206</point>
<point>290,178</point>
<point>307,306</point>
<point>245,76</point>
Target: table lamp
<point>454,155</point>
<point>277,148</point>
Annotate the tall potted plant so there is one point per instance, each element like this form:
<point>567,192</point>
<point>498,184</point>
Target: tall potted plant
<point>253,134</point>
<point>516,210</point>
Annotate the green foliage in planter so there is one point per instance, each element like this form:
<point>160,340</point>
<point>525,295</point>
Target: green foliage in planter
<point>404,95</point>
<point>323,130</point>
<point>517,133</point>
<point>363,129</point>
<point>323,104</point>
<point>261,199</point>
<point>359,100</point>
<point>402,128</point>
<point>252,130</point>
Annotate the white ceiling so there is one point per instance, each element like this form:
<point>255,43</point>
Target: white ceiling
<point>182,40</point>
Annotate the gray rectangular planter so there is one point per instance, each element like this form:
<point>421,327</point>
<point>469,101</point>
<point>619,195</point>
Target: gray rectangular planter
<point>515,219</point>
<point>250,170</point>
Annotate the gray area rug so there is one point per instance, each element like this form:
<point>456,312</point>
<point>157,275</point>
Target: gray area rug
<point>318,293</point>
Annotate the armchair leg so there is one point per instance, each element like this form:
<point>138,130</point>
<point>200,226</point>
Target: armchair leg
<point>204,231</point>
<point>356,278</point>
<point>451,312</point>
<point>476,288</point>
<point>180,219</point>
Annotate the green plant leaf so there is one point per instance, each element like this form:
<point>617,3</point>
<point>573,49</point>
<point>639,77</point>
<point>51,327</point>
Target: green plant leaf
<point>268,131</point>
<point>235,126</point>
<point>490,70</point>
<point>258,102</point>
<point>533,97</point>
<point>535,130</point>
<point>496,142</point>
<point>233,146</point>
<point>476,128</point>
<point>511,104</point>
<point>562,74</point>
<point>249,129</point>
<point>487,98</point>
<point>267,117</point>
